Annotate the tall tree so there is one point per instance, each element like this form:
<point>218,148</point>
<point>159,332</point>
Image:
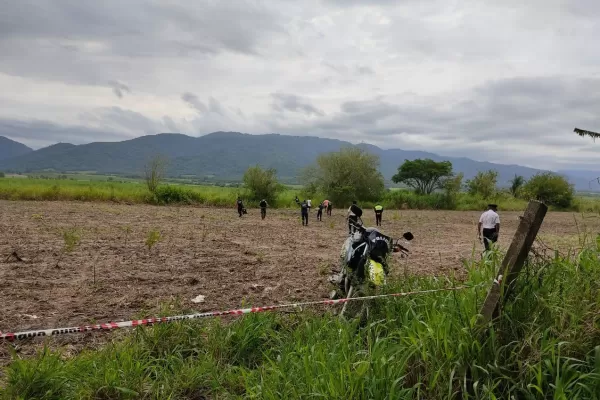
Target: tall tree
<point>424,175</point>
<point>483,184</point>
<point>516,184</point>
<point>262,184</point>
<point>345,175</point>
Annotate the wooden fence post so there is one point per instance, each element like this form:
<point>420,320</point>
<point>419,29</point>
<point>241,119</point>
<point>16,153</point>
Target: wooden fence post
<point>515,258</point>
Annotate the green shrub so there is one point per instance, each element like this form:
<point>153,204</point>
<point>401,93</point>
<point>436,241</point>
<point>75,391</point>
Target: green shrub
<point>551,189</point>
<point>170,194</point>
<point>483,184</point>
<point>262,184</point>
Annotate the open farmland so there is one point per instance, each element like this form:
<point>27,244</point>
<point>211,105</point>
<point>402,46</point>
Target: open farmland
<point>111,274</point>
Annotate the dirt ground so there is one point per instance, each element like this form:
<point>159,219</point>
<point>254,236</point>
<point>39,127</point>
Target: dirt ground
<point>112,275</point>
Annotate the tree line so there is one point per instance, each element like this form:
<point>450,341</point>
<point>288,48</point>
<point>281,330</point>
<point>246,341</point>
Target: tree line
<point>353,174</point>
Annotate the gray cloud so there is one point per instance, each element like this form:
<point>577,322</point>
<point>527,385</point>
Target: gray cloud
<point>290,102</point>
<point>76,41</point>
<point>194,102</point>
<point>38,133</point>
<point>441,76</point>
<point>215,107</point>
<point>364,70</point>
<point>118,88</point>
<point>508,121</point>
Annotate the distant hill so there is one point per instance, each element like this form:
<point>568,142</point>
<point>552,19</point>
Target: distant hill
<point>226,155</point>
<point>10,148</point>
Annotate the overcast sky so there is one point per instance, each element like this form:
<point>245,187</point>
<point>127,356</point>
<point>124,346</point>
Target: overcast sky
<point>503,81</point>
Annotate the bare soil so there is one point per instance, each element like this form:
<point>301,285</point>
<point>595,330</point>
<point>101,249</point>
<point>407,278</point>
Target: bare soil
<point>112,275</point>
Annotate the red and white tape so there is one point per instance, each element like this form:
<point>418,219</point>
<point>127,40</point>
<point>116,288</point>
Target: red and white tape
<point>9,336</point>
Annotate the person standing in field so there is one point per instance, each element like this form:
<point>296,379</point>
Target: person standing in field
<point>309,204</point>
<point>326,206</point>
<point>378,213</point>
<point>489,226</point>
<point>352,220</point>
<point>263,208</point>
<point>304,212</point>
<point>320,212</point>
<point>240,206</point>
<point>329,207</point>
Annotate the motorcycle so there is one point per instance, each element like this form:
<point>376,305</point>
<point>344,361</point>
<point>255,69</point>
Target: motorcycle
<point>364,260</point>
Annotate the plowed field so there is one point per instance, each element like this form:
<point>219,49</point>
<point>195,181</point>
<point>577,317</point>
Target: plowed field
<point>111,274</point>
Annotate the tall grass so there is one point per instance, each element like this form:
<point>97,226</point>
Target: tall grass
<point>127,192</point>
<point>137,192</point>
<point>546,344</point>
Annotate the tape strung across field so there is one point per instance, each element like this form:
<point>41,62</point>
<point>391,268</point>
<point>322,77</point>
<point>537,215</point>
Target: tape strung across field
<point>7,336</point>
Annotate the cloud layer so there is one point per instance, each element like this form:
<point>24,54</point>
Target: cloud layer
<point>499,81</point>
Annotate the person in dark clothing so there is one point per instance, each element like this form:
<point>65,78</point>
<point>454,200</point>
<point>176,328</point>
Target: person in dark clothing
<point>352,220</point>
<point>329,208</point>
<point>320,212</point>
<point>263,208</point>
<point>240,206</point>
<point>304,210</point>
<point>378,214</point>
<point>297,200</point>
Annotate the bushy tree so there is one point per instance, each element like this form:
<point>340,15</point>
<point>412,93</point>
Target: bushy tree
<point>483,184</point>
<point>2,174</point>
<point>154,172</point>
<point>262,183</point>
<point>423,175</point>
<point>551,189</point>
<point>516,184</point>
<point>345,175</point>
<point>453,185</point>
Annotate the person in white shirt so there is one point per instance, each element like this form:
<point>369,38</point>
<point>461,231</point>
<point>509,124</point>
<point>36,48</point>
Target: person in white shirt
<point>489,226</point>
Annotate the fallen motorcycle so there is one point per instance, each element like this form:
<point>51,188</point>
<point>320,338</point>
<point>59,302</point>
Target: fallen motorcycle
<point>364,260</point>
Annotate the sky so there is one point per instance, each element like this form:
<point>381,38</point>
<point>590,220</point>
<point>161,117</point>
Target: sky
<point>501,81</point>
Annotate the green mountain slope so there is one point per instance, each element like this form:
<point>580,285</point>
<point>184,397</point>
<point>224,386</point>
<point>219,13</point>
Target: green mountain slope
<point>10,148</point>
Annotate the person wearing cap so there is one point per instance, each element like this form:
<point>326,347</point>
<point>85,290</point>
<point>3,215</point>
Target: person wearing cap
<point>489,226</point>
<point>352,219</point>
<point>378,213</point>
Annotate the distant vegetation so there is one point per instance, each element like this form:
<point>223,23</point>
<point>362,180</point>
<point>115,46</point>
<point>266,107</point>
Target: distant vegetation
<point>262,184</point>
<point>424,176</point>
<point>341,176</point>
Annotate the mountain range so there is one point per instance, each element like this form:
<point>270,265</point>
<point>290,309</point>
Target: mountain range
<point>226,155</point>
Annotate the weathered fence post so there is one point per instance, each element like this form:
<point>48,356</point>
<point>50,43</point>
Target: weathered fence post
<point>515,258</point>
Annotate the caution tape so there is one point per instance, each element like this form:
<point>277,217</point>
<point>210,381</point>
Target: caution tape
<point>8,336</point>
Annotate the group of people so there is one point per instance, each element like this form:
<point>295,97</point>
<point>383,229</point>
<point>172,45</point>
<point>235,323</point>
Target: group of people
<point>306,205</point>
<point>488,228</point>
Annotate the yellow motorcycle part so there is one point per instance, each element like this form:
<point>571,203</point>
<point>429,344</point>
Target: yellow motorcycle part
<point>376,273</point>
